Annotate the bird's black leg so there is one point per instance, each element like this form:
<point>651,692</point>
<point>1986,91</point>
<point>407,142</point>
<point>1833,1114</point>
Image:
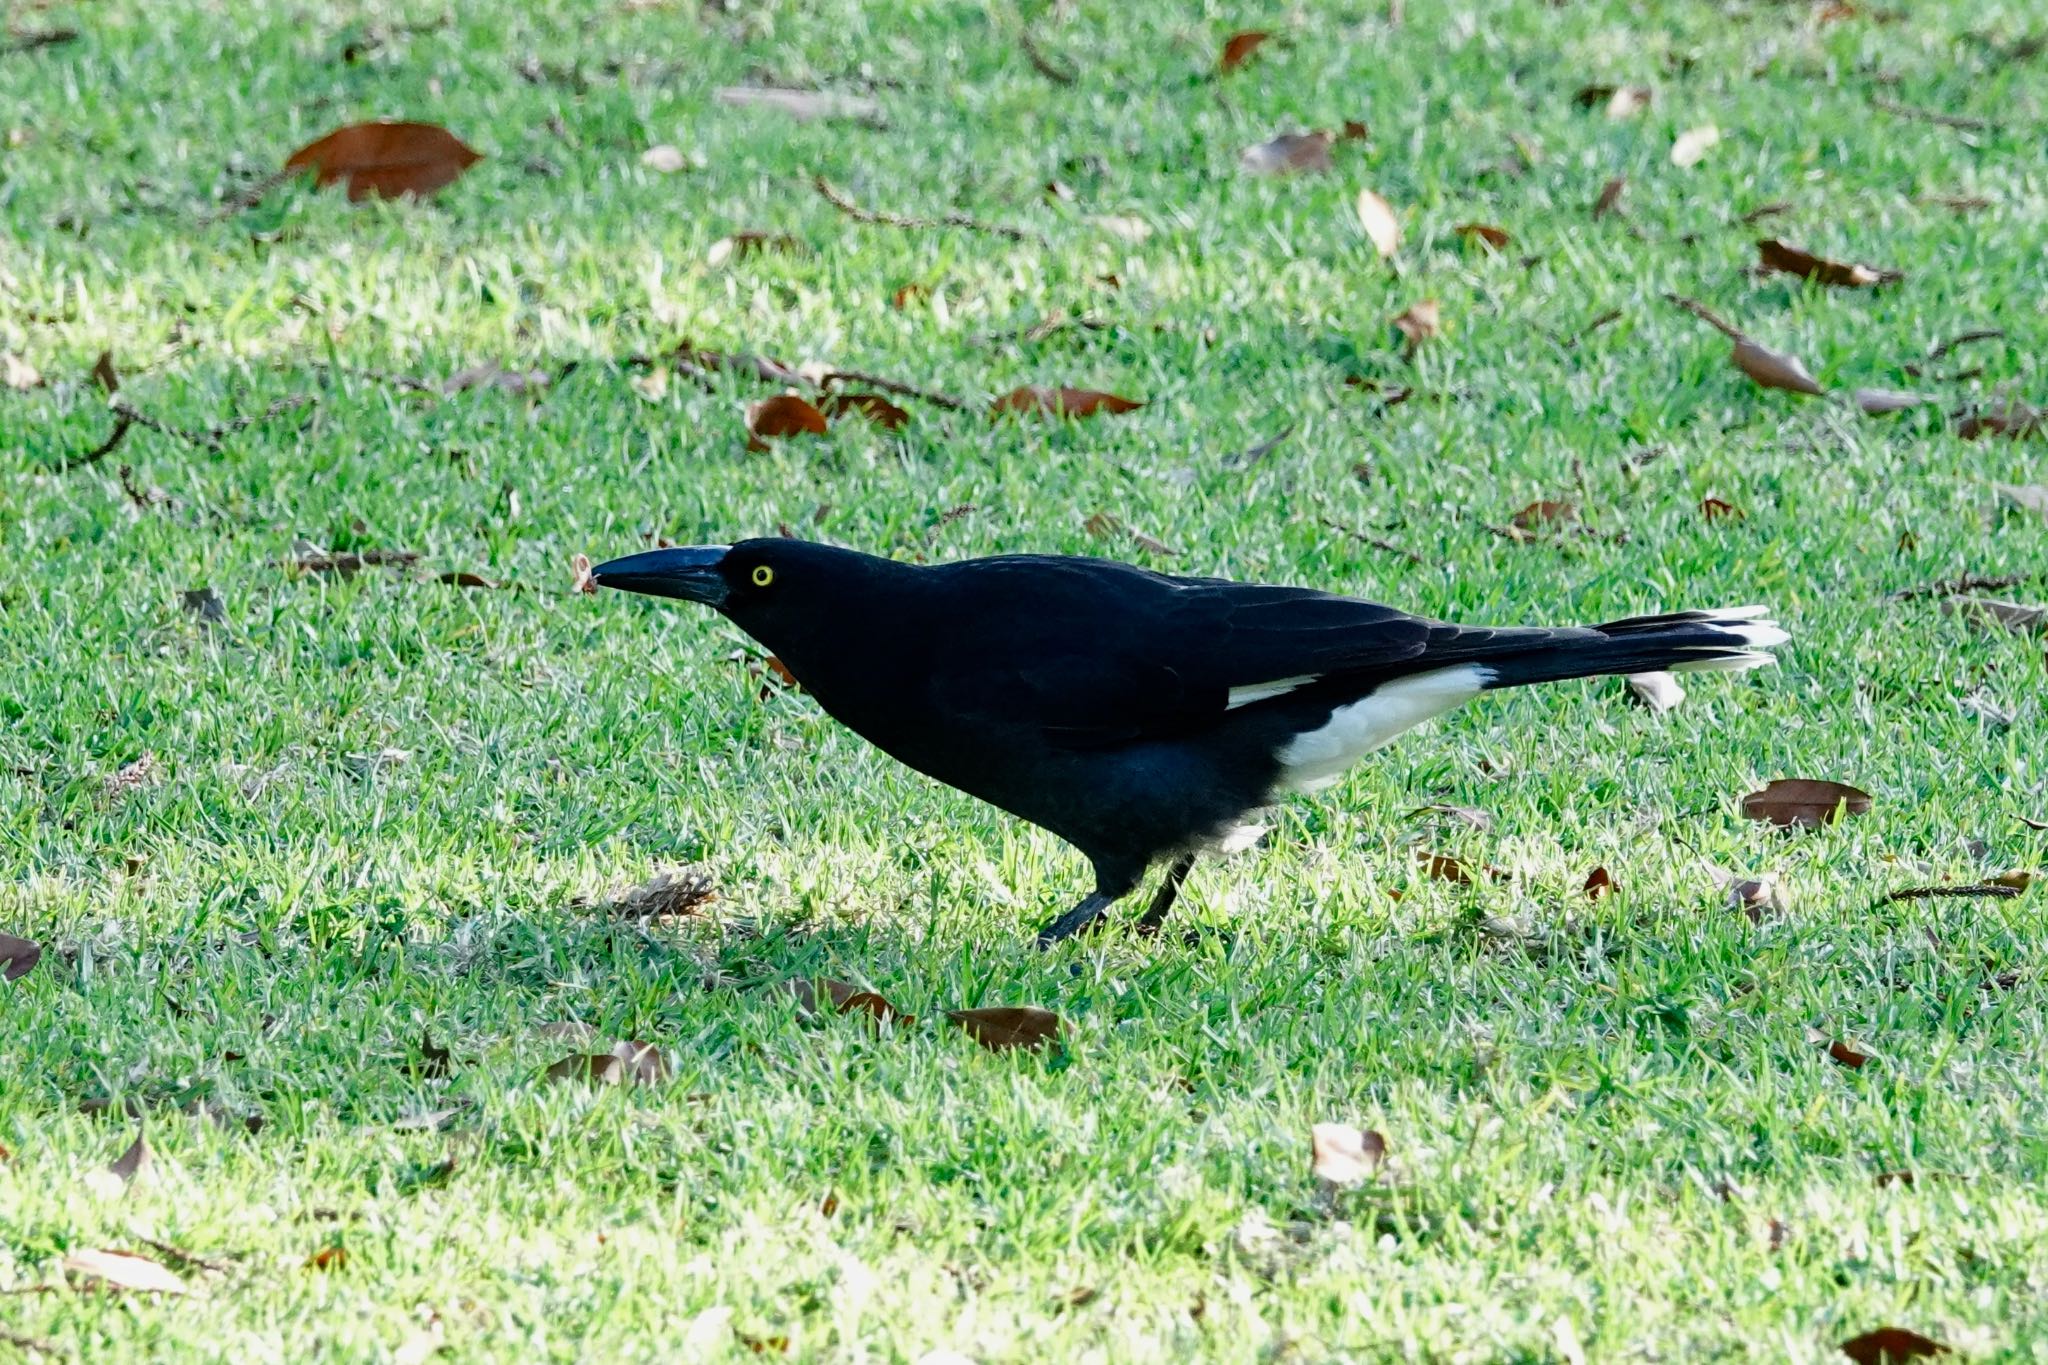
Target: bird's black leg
<point>1169,891</point>
<point>1085,916</point>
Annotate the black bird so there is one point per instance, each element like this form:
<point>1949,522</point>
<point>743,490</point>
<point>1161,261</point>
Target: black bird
<point>1140,717</point>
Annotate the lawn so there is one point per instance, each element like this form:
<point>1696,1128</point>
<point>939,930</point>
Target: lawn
<point>335,851</point>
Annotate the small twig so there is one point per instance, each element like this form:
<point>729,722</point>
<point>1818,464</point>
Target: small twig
<point>177,1253</point>
<point>1707,315</point>
<point>764,368</point>
<point>1958,121</point>
<point>23,1341</point>
<point>1045,65</point>
<point>1949,587</point>
<point>1611,315</point>
<point>1964,339</point>
<point>1261,450</point>
<point>1375,542</point>
<point>895,386</point>
<point>1988,891</point>
<point>28,40</point>
<point>896,220</point>
<point>122,421</point>
<point>1039,331</point>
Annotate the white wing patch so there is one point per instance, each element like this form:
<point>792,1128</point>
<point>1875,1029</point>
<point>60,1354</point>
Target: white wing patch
<point>1279,687</point>
<point>1316,758</point>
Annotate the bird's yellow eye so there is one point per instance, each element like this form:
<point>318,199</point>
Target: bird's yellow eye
<point>763,575</point>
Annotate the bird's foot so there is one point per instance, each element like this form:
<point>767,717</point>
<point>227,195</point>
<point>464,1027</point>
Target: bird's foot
<point>1083,918</point>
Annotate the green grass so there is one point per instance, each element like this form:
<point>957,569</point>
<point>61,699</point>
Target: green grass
<point>1563,1084</point>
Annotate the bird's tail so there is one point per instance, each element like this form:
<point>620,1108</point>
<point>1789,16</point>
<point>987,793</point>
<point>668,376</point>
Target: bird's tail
<point>1677,642</point>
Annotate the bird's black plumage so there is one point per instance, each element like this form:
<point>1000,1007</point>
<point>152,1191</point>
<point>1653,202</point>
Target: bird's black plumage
<point>1138,716</point>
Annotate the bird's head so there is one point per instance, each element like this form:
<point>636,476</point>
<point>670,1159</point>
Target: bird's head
<point>759,584</point>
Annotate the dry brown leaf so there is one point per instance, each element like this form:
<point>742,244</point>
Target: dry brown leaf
<point>1545,514</point>
<point>1610,197</point>
<point>18,957</point>
<point>1891,1346</point>
<point>122,1270</point>
<point>1693,144</point>
<point>1343,1155</point>
<point>2017,881</point>
<point>1423,320</point>
<point>741,245</point>
<point>1376,216</point>
<point>104,374</point>
<point>1773,369</point>
<point>909,294</point>
<point>463,578</point>
<point>1782,256</point>
<point>1061,403</point>
<point>1756,897</point>
<point>386,159</point>
<point>636,1062</point>
<point>1289,154</point>
<point>872,406</point>
<point>1713,509</point>
<point>2016,421</point>
<point>333,1257</point>
<point>1620,101</point>
<point>1238,46</point>
<point>2014,616</point>
<point>801,105</point>
<point>1494,237</point>
<point>1000,1027</point>
<point>1878,402</point>
<point>580,568</point>
<point>670,893</point>
<point>1442,867</point>
<point>134,1161</point>
<point>1598,883</point>
<point>1804,803</point>
<point>844,999</point>
<point>786,414</point>
<point>779,671</point>
<point>1845,1053</point>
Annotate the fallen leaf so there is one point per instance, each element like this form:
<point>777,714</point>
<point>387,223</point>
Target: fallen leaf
<point>1629,100</point>
<point>2030,497</point>
<point>2014,616</point>
<point>1773,369</point>
<point>1878,402</point>
<point>1713,509</point>
<point>1288,154</point>
<point>385,159</point>
<point>786,414</point>
<point>1804,803</point>
<point>1693,144</point>
<point>2016,421</point>
<point>1893,1345</point>
<point>1354,130</point>
<point>741,245</point>
<point>1376,216</point>
<point>636,1062</point>
<point>462,578</point>
<point>1497,238</point>
<point>1344,1155</point>
<point>2017,881</point>
<point>580,567</point>
<point>1442,867</point>
<point>909,294</point>
<point>1422,321</point>
<point>1845,1053</point>
<point>18,957</point>
<point>844,999</point>
<point>664,159</point>
<point>1238,46</point>
<point>1000,1027</point>
<point>802,105</point>
<point>17,373</point>
<point>1787,259</point>
<point>1658,691</point>
<point>142,772</point>
<point>872,406</point>
<point>780,672</point>
<point>327,1258</point>
<point>1610,196</point>
<point>670,893</point>
<point>1598,883</point>
<point>1545,513</point>
<point>134,1161</point>
<point>104,375</point>
<point>121,1270</point>
<point>1061,403</point>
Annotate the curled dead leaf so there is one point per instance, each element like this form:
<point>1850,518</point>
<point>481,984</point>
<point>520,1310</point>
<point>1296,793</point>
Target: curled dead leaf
<point>1776,254</point>
<point>1598,883</point>
<point>1805,803</point>
<point>1001,1027</point>
<point>18,957</point>
<point>786,414</point>
<point>1891,1346</point>
<point>1848,1054</point>
<point>1239,46</point>
<point>1423,320</point>
<point>1496,238</point>
<point>385,160</point>
<point>2015,421</point>
<point>1039,401</point>
<point>1289,154</point>
<point>872,406</point>
<point>844,999</point>
<point>1376,216</point>
<point>1341,1154</point>
<point>1713,509</point>
<point>1773,369</point>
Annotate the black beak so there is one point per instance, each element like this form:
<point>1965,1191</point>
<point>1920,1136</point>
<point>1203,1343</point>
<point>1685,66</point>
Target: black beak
<point>688,572</point>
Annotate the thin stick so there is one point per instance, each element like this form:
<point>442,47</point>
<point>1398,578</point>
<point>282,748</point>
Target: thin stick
<point>1964,339</point>
<point>1949,587</point>
<point>1707,315</point>
<point>1968,125</point>
<point>1928,893</point>
<point>896,220</point>
<point>1262,449</point>
<point>1045,65</point>
<point>122,421</point>
<point>895,386</point>
<point>1375,542</point>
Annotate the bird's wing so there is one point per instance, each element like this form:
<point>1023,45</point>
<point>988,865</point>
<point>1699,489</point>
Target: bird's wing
<point>1093,653</point>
